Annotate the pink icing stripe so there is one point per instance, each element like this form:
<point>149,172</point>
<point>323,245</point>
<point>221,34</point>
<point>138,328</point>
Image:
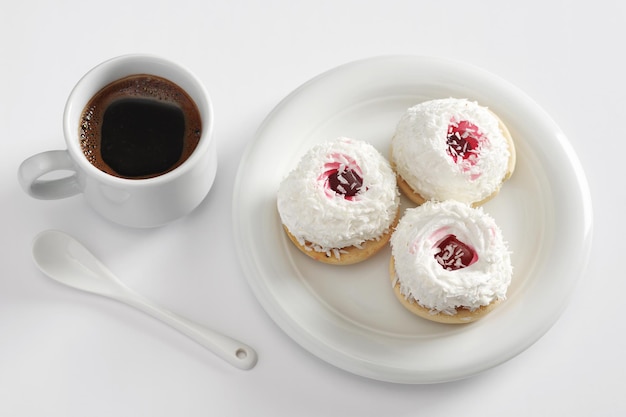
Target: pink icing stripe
<point>436,236</point>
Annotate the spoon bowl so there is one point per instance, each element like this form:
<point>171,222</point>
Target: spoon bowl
<point>68,262</point>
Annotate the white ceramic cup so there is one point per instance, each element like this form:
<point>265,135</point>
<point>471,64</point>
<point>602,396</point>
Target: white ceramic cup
<point>131,202</point>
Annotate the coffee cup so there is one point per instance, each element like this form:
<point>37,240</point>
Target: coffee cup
<point>138,132</point>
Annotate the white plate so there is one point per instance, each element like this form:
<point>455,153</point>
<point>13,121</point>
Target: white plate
<point>348,316</point>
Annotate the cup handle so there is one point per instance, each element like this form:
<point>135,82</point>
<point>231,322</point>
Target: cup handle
<point>33,168</point>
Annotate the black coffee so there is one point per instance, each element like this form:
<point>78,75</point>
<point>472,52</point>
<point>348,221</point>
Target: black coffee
<point>140,126</point>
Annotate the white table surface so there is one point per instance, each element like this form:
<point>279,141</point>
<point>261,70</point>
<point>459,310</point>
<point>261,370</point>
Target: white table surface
<point>65,353</point>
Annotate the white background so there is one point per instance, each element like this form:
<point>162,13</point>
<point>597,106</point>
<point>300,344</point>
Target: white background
<point>65,353</point>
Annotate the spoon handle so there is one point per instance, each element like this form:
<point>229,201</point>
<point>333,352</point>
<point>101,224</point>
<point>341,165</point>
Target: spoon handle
<point>232,351</point>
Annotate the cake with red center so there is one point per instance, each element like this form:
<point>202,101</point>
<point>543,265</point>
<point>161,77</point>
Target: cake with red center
<point>451,149</point>
<point>449,262</point>
<point>340,203</point>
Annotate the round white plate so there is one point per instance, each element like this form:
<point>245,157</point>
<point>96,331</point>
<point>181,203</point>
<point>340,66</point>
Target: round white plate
<point>348,316</point>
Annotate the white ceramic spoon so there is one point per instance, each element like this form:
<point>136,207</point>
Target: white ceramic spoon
<point>67,261</point>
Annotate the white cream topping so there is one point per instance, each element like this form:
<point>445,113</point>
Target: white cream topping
<point>423,279</point>
<point>314,213</point>
<point>423,158</point>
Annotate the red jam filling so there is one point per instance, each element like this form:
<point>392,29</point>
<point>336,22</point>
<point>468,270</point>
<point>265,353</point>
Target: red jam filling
<point>463,141</point>
<point>347,182</point>
<point>342,176</point>
<point>454,254</point>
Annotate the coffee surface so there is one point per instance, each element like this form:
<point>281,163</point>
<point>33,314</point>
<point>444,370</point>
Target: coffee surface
<point>140,126</point>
